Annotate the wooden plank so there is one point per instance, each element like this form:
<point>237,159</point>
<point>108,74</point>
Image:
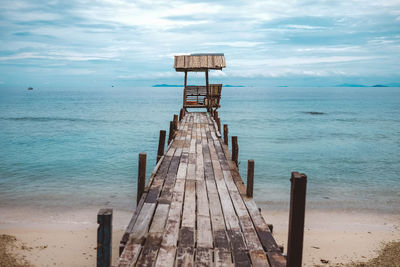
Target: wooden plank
<point>184,257</point>
<point>157,225</point>
<point>182,169</point>
<point>139,231</point>
<point>234,170</point>
<point>259,259</point>
<point>166,256</point>
<point>166,193</point>
<point>132,222</point>
<point>276,259</point>
<point>147,256</point>
<point>263,232</point>
<point>186,237</point>
<point>130,255</point>
<point>223,258</point>
<point>204,257</point>
<point>231,220</point>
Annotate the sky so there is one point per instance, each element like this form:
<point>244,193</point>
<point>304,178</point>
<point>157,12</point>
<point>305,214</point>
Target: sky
<point>100,43</point>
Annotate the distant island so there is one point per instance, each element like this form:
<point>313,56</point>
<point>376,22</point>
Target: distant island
<point>361,85</point>
<point>179,85</point>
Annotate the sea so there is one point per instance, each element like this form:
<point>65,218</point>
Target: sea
<point>70,149</point>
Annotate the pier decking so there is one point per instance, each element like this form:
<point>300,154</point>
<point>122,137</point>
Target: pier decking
<point>194,210</point>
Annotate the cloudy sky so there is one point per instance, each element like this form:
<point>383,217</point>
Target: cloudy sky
<point>98,43</point>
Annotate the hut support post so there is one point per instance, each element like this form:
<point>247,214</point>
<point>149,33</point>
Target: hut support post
<point>235,150</point>
<point>250,178</point>
<point>104,237</point>
<point>184,90</point>
<point>161,144</point>
<point>226,134</point>
<point>207,93</point>
<point>141,176</point>
<point>296,219</point>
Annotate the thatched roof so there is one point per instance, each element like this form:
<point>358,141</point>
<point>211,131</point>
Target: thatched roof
<point>199,62</point>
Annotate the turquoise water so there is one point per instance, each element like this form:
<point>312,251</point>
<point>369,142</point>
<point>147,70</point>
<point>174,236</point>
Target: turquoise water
<point>71,149</point>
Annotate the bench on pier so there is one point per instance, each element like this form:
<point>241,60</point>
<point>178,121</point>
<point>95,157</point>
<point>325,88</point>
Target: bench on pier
<point>196,96</point>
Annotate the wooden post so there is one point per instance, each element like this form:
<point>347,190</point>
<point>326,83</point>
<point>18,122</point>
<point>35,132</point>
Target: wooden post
<point>216,115</point>
<point>181,114</point>
<point>226,133</point>
<point>141,175</point>
<point>184,90</point>
<point>161,145</point>
<point>296,219</point>
<point>171,131</point>
<point>271,228</point>
<point>207,93</point>
<point>250,178</point>
<point>218,121</point>
<point>235,150</point>
<point>175,122</point>
<point>104,237</point>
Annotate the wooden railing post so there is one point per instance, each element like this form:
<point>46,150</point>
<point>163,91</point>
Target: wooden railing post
<point>250,178</point>
<point>181,114</point>
<point>141,175</point>
<point>226,134</point>
<point>296,219</point>
<point>218,121</point>
<point>161,145</point>
<point>235,150</point>
<point>104,238</point>
<point>171,131</point>
<point>175,122</point>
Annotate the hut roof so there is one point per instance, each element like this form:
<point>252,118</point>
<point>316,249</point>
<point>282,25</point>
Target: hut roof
<point>199,62</point>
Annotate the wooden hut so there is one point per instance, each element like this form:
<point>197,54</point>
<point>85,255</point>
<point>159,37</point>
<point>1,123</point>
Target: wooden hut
<point>200,96</point>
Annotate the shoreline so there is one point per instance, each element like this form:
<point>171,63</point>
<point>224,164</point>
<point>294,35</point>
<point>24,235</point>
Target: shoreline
<point>69,238</point>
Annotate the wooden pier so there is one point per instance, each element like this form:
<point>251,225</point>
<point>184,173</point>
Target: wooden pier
<point>195,211</point>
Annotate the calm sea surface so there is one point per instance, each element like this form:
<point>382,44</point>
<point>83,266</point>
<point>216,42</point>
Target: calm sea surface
<point>70,149</point>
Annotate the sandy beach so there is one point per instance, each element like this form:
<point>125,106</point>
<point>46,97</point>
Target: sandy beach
<point>69,238</point>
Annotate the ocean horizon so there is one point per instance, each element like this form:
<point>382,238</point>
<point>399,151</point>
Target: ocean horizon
<point>79,149</point>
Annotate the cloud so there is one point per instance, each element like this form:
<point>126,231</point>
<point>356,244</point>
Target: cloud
<point>137,39</point>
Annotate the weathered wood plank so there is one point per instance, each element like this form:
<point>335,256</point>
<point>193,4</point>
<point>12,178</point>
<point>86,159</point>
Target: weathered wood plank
<point>166,256</point>
<point>157,225</point>
<point>139,231</point>
<point>188,224</point>
<point>204,257</point>
<point>263,232</point>
<point>184,257</point>
<point>223,258</point>
<point>130,255</point>
<point>147,256</point>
